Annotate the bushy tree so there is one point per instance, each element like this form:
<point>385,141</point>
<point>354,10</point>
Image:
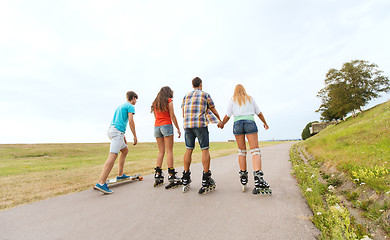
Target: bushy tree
<point>350,88</point>
<point>306,131</point>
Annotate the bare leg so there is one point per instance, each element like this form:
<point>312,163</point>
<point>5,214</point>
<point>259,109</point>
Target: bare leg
<point>169,148</point>
<point>254,143</point>
<point>161,151</point>
<point>240,139</point>
<point>107,167</point>
<point>187,159</point>
<point>122,159</point>
<point>206,160</point>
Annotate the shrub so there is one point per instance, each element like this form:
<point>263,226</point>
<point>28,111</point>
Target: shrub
<point>306,131</point>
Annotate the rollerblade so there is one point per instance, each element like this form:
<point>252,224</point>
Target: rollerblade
<point>173,180</point>
<point>261,186</point>
<point>243,179</point>
<point>208,184</point>
<point>158,177</point>
<point>186,180</point>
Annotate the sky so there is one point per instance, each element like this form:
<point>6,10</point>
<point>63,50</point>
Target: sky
<point>65,66</point>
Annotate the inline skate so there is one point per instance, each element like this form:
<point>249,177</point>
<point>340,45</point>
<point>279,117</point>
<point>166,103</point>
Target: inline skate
<point>261,186</point>
<point>208,184</point>
<point>158,177</point>
<point>172,179</point>
<point>243,179</point>
<point>186,180</point>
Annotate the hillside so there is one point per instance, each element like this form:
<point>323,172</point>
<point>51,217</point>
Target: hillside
<point>352,160</point>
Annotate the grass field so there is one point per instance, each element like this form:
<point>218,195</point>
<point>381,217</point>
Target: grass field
<point>33,172</point>
<point>344,172</point>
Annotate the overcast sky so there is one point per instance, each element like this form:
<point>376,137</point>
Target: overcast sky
<point>66,65</point>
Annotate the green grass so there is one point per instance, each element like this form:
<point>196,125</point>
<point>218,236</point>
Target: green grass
<point>348,167</point>
<point>359,146</point>
<point>32,172</point>
<point>330,216</point>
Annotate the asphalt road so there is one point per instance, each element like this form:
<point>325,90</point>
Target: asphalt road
<point>138,211</point>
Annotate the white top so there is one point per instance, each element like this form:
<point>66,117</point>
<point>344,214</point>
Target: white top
<point>249,108</point>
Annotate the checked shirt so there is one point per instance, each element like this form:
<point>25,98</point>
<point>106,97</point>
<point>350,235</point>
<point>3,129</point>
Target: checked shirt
<point>196,108</point>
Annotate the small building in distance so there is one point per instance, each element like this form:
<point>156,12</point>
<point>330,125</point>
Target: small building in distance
<point>318,127</point>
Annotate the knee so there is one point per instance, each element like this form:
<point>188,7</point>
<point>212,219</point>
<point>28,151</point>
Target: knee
<point>125,151</point>
<point>161,152</point>
<point>242,152</point>
<point>255,151</point>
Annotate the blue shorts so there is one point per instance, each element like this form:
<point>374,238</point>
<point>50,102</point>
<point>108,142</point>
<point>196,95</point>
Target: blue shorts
<point>201,133</point>
<point>163,131</point>
<point>117,140</point>
<point>242,127</point>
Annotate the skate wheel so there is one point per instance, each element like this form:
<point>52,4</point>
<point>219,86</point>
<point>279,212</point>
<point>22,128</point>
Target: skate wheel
<point>141,178</point>
<point>186,188</point>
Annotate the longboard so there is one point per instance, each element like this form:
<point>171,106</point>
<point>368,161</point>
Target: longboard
<point>114,181</point>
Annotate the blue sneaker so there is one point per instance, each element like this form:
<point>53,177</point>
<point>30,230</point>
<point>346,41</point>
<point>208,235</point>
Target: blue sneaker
<point>104,189</point>
<point>122,178</point>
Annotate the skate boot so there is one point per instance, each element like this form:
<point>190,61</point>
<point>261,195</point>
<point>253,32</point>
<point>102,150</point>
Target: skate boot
<point>208,184</point>
<point>158,177</point>
<point>261,186</point>
<point>173,180</point>
<point>243,179</point>
<point>186,180</point>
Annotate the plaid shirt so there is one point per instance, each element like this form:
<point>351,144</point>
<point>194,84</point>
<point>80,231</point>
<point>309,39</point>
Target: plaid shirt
<point>196,108</point>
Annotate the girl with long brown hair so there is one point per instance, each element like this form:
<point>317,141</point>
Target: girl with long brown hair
<point>162,108</point>
<point>243,107</point>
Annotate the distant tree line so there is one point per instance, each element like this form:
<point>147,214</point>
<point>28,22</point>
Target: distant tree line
<point>348,89</point>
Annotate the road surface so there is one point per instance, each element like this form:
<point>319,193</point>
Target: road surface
<point>138,211</point>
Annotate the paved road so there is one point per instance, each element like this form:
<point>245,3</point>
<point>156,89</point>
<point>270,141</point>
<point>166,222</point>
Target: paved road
<point>139,211</point>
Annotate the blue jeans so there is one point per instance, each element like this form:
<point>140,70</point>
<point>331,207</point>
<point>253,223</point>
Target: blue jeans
<point>242,127</point>
<point>201,133</point>
<point>163,131</point>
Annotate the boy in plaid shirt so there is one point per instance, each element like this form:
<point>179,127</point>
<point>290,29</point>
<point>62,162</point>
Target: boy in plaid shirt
<point>198,111</point>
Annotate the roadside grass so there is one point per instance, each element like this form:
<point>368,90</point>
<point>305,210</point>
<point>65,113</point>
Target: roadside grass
<point>330,216</point>
<point>351,161</point>
<point>33,172</point>
<point>359,146</point>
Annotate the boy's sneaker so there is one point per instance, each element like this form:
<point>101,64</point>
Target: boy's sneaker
<point>122,178</point>
<point>103,188</point>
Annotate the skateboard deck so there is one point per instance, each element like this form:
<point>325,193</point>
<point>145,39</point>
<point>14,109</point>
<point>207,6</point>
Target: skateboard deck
<point>114,181</point>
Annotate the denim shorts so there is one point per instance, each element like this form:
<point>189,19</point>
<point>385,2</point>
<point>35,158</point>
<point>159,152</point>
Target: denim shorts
<point>163,131</point>
<point>117,140</point>
<point>201,133</point>
<point>241,127</point>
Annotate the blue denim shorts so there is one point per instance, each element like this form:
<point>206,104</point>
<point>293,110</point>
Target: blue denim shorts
<point>117,140</point>
<point>201,133</point>
<point>241,127</point>
<point>163,131</point>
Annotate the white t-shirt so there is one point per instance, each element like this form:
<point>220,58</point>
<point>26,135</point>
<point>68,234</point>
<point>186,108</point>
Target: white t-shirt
<point>249,108</point>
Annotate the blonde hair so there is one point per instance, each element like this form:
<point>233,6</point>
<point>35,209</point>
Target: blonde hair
<point>240,96</point>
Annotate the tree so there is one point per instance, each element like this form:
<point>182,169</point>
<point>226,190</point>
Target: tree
<point>350,88</point>
<point>306,131</point>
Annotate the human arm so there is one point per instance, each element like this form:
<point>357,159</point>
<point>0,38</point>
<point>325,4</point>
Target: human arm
<point>224,121</point>
<point>229,113</point>
<point>132,127</point>
<point>173,118</point>
<point>261,116</point>
<point>214,110</point>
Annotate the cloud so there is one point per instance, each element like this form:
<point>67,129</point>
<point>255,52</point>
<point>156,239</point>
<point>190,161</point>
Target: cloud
<point>67,65</point>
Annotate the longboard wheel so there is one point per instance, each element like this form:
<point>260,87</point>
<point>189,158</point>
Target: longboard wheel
<point>141,178</point>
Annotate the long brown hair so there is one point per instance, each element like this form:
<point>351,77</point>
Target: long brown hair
<point>162,100</point>
<point>240,96</point>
